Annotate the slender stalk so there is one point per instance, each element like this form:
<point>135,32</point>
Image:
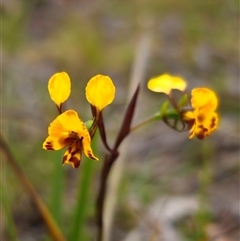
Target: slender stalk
<point>10,225</point>
<point>108,163</point>
<point>79,215</point>
<point>52,226</point>
<point>148,120</point>
<point>57,190</point>
<point>168,115</point>
<point>173,102</point>
<point>139,68</point>
<point>109,160</point>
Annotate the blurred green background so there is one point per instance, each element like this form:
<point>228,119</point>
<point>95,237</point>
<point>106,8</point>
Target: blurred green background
<point>198,40</point>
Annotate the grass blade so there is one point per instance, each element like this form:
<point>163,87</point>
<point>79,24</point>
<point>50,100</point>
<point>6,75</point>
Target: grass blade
<point>79,216</point>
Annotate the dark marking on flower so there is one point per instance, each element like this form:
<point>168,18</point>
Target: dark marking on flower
<point>64,159</point>
<point>200,136</point>
<point>89,154</point>
<point>70,149</point>
<point>49,146</point>
<point>213,122</point>
<point>74,152</point>
<point>202,127</point>
<point>202,133</point>
<point>200,118</point>
<point>73,135</point>
<point>75,161</point>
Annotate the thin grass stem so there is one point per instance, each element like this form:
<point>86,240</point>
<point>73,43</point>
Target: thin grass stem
<point>11,229</point>
<point>57,190</point>
<point>79,216</point>
<point>54,230</point>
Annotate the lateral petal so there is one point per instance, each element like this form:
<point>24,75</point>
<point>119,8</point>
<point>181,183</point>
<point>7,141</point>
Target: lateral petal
<point>100,91</point>
<point>55,143</point>
<point>59,87</point>
<point>87,149</point>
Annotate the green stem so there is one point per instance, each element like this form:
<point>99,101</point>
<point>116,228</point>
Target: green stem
<point>57,190</point>
<point>79,218</point>
<point>203,216</point>
<point>156,117</point>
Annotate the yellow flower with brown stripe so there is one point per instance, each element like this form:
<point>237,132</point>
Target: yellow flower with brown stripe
<point>68,130</point>
<point>203,119</point>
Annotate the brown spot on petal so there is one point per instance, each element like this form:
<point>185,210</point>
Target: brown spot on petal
<point>200,118</point>
<point>200,127</point>
<point>202,133</point>
<point>64,159</point>
<point>74,161</point>
<point>213,122</point>
<point>73,135</point>
<point>49,146</point>
<point>200,136</point>
<point>89,154</point>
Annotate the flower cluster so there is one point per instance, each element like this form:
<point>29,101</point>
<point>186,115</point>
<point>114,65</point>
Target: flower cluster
<point>68,130</point>
<point>201,119</point>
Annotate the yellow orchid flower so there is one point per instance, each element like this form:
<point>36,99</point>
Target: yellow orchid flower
<point>59,87</point>
<point>69,130</point>
<point>165,83</point>
<point>203,119</point>
<point>100,91</point>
